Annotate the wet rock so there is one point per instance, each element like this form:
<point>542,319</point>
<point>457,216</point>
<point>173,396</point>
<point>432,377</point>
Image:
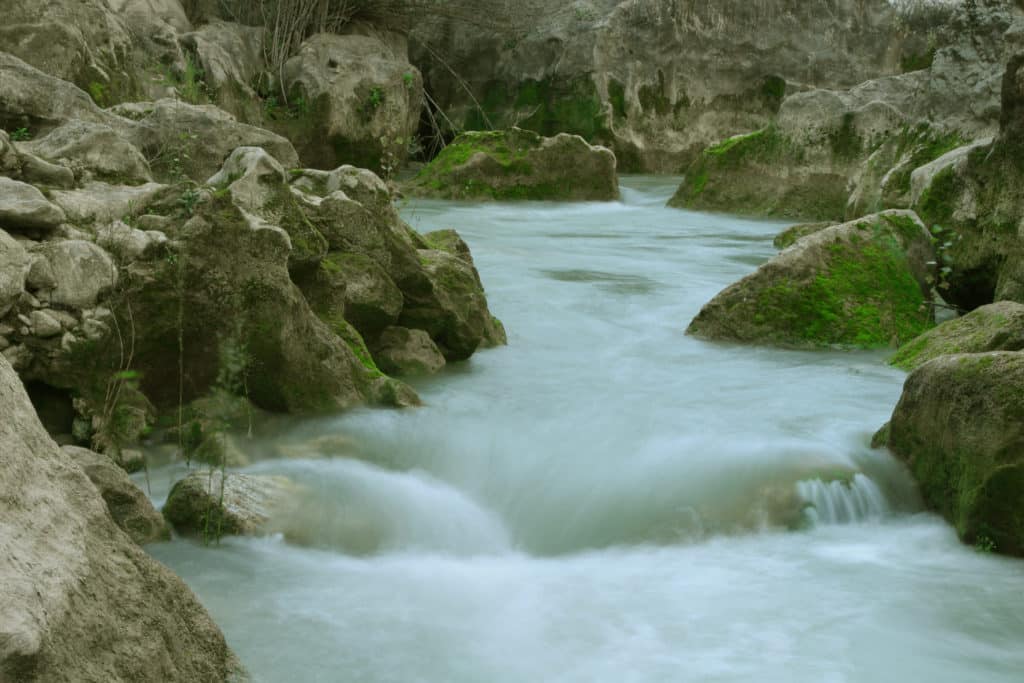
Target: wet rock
<point>400,351</point>
<point>866,284</point>
<point>959,426</point>
<point>213,503</point>
<point>518,164</point>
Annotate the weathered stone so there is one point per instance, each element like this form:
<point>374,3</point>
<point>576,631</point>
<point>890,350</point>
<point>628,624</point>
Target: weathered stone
<point>24,208</point>
<point>44,324</point>
<point>360,100</point>
<point>401,351</point>
<point>959,425</point>
<point>126,243</point>
<point>95,151</point>
<point>995,327</point>
<point>81,600</point>
<point>99,203</point>
<point>221,450</point>
<point>518,164</point>
<point>231,57</point>
<point>14,268</point>
<point>81,272</point>
<point>790,235</point>
<point>863,284</point>
<point>128,504</point>
<point>214,504</point>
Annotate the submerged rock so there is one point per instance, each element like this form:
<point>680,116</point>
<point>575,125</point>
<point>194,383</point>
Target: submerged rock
<point>213,504</point>
<point>996,327</point>
<point>959,425</point>
<point>128,504</point>
<point>519,164</point>
<point>81,600</point>
<point>861,284</point>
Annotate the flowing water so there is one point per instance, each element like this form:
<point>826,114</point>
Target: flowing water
<point>606,499</point>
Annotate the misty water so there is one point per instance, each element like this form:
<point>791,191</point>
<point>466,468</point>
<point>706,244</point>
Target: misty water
<point>606,499</point>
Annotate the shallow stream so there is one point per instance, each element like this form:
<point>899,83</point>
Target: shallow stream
<point>608,500</point>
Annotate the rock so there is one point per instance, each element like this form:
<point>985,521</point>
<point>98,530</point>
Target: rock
<point>372,300</point>
<point>98,204</point>
<point>959,425</point>
<point>356,98</point>
<point>24,208</point>
<point>862,284</point>
<point>193,141</point>
<point>256,182</point>
<point>790,235</point>
<point>44,324</point>
<point>401,351</point>
<point>451,308</point>
<point>519,164</point>
<point>922,176</point>
<point>81,271</point>
<point>40,172</point>
<point>126,243</point>
<point>95,151</point>
<point>80,41</point>
<point>127,503</point>
<point>231,58</point>
<point>221,450</point>
<point>214,504</point>
<point>14,268</point>
<point>995,327</point>
<point>81,600</point>
<point>32,99</point>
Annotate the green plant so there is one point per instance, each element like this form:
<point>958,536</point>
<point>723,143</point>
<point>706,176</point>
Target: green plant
<point>408,79</point>
<point>376,98</point>
<point>21,135</point>
<point>944,241</point>
<point>984,544</point>
<point>188,200</point>
<point>98,93</point>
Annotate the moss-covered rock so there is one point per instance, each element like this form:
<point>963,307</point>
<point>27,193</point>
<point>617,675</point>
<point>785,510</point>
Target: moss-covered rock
<point>518,164</point>
<point>995,327</point>
<point>401,351</point>
<point>791,234</point>
<point>863,284</point>
<point>212,504</point>
<point>959,425</point>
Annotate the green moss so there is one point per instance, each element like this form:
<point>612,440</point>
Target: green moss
<point>773,90</point>
<point>653,99</point>
<point>920,145</point>
<point>917,61</point>
<point>846,142</point>
<point>866,299</point>
<point>938,202</point>
<point>355,343</point>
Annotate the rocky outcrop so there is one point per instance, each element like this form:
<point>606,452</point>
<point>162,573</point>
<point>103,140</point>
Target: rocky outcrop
<point>791,234</point>
<point>862,284</point>
<point>959,426</point>
<point>213,503</point>
<point>81,600</point>
<point>400,351</point>
<point>356,99</point>
<point>23,208</point>
<point>519,164</point>
<point>977,196</point>
<point>93,152</point>
<point>995,327</point>
<point>655,82</point>
<point>128,505</point>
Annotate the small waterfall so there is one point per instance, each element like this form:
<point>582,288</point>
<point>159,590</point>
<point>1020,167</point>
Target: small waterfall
<point>842,502</point>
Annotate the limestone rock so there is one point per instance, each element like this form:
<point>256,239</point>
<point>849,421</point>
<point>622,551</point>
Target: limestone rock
<point>81,272</point>
<point>959,426</point>
<point>212,503</point>
<point>24,208</point>
<point>790,235</point>
<point>127,243</point>
<point>98,203</point>
<point>128,504</point>
<point>231,57</point>
<point>194,140</point>
<point>361,100</point>
<point>401,351</point>
<point>518,164</point>
<point>95,151</point>
<point>14,268</point>
<point>29,97</point>
<point>81,600</point>
<point>863,284</point>
<point>995,327</point>
<point>45,324</point>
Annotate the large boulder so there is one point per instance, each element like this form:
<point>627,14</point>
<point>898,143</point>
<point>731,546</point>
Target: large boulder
<point>81,600</point>
<point>357,100</point>
<point>865,284</point>
<point>401,351</point>
<point>995,327</point>
<point>193,141</point>
<point>230,56</point>
<point>37,101</point>
<point>959,425</point>
<point>23,208</point>
<point>215,503</point>
<point>128,505</point>
<point>79,272</point>
<point>519,164</point>
<point>93,151</point>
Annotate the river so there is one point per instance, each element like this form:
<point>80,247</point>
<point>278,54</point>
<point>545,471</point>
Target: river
<point>606,499</point>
